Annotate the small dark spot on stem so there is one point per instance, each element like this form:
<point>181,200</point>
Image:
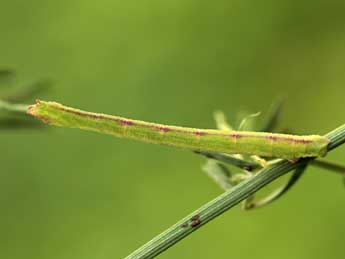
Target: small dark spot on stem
<point>185,225</point>
<point>195,221</point>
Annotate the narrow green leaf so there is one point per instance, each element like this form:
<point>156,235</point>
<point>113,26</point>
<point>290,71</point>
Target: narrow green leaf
<point>272,118</point>
<point>221,121</point>
<point>296,175</point>
<point>246,123</point>
<point>218,173</point>
<point>231,160</point>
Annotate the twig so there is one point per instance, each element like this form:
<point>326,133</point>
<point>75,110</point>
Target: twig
<point>225,201</point>
<point>231,159</point>
<point>297,173</point>
<point>17,108</point>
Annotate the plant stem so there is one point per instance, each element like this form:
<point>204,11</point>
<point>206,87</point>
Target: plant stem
<point>225,201</point>
<point>230,159</point>
<point>17,108</point>
<point>278,192</point>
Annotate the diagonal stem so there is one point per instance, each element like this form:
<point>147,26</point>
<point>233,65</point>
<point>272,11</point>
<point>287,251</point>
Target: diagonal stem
<point>298,172</point>
<point>231,159</point>
<point>225,201</point>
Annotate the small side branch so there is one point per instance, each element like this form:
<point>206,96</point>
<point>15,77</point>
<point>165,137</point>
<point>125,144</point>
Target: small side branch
<point>17,108</point>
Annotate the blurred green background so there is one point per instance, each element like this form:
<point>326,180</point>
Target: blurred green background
<point>68,194</point>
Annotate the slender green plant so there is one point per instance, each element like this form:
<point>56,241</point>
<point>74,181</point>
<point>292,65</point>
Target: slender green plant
<point>11,107</point>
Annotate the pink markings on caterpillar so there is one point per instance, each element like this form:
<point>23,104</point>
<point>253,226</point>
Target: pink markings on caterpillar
<point>199,133</point>
<point>125,122</point>
<point>161,129</point>
<point>236,136</point>
<point>272,138</point>
<point>288,139</point>
<point>303,141</point>
<point>296,140</point>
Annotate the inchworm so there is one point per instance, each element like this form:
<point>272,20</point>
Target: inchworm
<point>222,141</point>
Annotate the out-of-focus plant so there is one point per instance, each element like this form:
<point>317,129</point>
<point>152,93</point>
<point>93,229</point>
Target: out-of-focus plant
<point>12,111</point>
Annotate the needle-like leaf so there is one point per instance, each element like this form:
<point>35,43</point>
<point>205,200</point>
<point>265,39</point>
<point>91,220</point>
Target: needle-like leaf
<point>296,174</point>
<point>272,118</point>
<point>218,173</point>
<point>231,160</point>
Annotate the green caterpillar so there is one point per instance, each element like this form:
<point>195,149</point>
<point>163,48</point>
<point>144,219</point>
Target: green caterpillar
<point>210,140</point>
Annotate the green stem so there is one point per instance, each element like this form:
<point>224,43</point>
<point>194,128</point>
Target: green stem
<point>225,201</point>
<point>230,159</point>
<point>17,108</point>
<point>279,192</point>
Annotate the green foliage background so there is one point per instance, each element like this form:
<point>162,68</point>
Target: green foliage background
<point>68,194</point>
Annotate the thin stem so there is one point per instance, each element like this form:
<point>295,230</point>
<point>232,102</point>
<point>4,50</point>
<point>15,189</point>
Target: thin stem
<point>224,202</point>
<point>17,108</point>
<point>211,210</point>
<point>221,121</point>
<point>231,159</point>
<point>297,173</point>
<point>336,137</point>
